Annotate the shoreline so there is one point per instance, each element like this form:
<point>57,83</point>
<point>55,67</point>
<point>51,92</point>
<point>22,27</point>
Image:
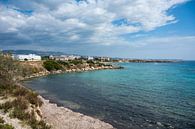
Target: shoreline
<point>45,73</point>
<point>60,117</point>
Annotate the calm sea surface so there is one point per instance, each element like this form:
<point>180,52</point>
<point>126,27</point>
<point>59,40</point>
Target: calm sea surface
<point>143,95</point>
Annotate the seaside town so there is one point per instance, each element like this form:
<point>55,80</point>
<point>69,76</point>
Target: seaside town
<point>35,57</point>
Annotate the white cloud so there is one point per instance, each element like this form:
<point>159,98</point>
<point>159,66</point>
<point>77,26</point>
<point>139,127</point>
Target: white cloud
<point>90,21</point>
<point>168,40</point>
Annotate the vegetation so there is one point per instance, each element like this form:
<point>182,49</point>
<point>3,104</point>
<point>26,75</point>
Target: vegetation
<point>3,125</point>
<point>8,70</point>
<point>51,65</point>
<point>1,120</point>
<point>6,126</point>
<point>76,62</point>
<point>24,101</point>
<point>66,64</point>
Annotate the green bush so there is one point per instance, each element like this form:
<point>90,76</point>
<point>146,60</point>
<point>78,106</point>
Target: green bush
<point>76,62</point>
<point>20,91</point>
<point>6,106</point>
<point>20,103</point>
<point>29,118</point>
<point>20,114</point>
<point>38,124</point>
<point>1,120</point>
<point>6,126</point>
<point>64,63</point>
<point>90,62</point>
<point>32,97</point>
<point>8,69</point>
<point>51,65</point>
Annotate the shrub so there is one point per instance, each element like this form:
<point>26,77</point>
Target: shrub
<point>6,106</point>
<point>37,124</point>
<point>6,89</point>
<point>90,62</point>
<point>20,114</point>
<point>51,65</point>
<point>76,62</point>
<point>6,126</point>
<point>20,103</point>
<point>20,91</point>
<point>65,64</point>
<point>29,118</point>
<point>32,97</point>
<point>1,120</point>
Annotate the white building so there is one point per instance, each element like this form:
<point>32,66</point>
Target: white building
<point>64,57</point>
<point>90,58</point>
<point>30,57</point>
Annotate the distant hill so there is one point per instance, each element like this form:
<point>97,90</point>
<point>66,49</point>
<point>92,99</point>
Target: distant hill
<point>41,53</point>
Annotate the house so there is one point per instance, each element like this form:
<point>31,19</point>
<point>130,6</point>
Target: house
<point>64,57</point>
<point>30,57</point>
<point>90,58</point>
<point>102,58</point>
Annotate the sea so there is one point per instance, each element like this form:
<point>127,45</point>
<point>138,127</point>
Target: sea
<point>140,96</point>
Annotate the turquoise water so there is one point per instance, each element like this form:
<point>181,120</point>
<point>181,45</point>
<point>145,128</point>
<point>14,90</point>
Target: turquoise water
<point>143,95</point>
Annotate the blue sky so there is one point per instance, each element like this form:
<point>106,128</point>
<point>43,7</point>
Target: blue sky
<point>122,28</point>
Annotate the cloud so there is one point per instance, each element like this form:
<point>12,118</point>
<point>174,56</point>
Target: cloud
<point>168,41</point>
<point>70,22</point>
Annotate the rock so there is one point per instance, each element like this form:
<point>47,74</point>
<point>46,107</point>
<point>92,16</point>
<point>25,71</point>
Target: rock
<point>159,124</point>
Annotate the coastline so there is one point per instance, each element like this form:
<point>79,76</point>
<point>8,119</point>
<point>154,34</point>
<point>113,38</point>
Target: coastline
<point>64,118</point>
<point>60,117</point>
<point>45,73</point>
<point>21,106</point>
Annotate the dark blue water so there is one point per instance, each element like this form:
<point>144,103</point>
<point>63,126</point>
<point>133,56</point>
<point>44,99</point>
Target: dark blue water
<point>143,95</point>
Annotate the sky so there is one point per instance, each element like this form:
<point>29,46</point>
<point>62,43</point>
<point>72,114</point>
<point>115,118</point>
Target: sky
<point>157,29</point>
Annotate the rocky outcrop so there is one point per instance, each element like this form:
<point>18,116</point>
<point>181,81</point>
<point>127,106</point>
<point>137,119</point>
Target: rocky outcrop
<point>45,72</point>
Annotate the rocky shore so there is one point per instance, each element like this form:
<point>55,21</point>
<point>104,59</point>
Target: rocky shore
<point>45,72</point>
<point>63,118</point>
